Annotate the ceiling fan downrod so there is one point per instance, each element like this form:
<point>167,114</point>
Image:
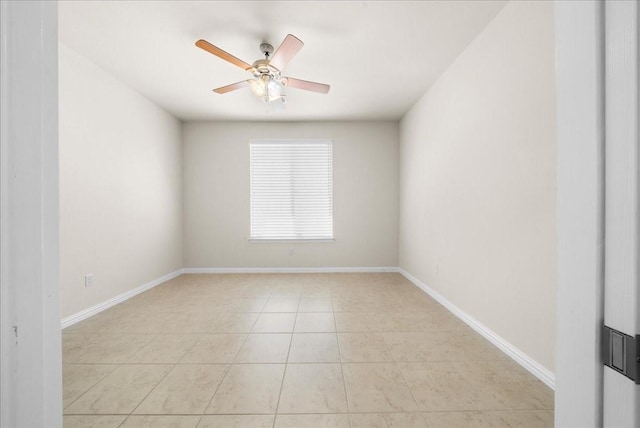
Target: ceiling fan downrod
<point>266,50</point>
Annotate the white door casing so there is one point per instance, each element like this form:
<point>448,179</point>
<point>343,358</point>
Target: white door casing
<point>30,357</point>
<point>579,35</point>
<point>621,407</point>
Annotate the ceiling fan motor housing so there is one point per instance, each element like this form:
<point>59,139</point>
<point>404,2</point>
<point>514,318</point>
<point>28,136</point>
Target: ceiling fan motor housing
<point>262,67</point>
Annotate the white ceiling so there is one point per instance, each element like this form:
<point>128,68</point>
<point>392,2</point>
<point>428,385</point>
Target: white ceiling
<point>379,57</point>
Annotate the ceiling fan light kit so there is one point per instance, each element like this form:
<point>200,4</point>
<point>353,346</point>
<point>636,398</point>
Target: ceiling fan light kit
<point>267,88</point>
<point>267,82</point>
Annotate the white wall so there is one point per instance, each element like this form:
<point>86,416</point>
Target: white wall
<point>216,180</point>
<point>120,186</point>
<point>478,181</point>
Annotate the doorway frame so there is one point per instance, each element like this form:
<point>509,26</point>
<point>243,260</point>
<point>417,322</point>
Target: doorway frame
<point>30,335</point>
<point>579,28</point>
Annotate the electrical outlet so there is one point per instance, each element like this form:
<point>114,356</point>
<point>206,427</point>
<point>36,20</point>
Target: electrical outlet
<point>291,252</point>
<point>88,280</point>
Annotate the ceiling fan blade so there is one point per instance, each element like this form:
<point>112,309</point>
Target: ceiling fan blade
<point>320,88</point>
<point>287,50</point>
<point>232,87</point>
<point>203,44</point>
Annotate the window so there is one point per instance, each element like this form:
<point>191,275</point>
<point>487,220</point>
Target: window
<point>291,190</point>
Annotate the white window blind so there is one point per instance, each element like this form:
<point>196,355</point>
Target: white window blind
<point>291,190</point>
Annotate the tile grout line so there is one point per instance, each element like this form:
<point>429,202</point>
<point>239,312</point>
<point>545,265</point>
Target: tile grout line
<point>216,390</point>
<point>163,378</point>
<point>92,386</point>
<point>152,389</point>
<point>204,412</point>
<point>404,378</point>
<point>199,420</point>
<point>105,377</point>
<point>227,372</point>
<point>124,421</point>
<point>286,365</point>
<point>344,382</point>
<point>191,347</point>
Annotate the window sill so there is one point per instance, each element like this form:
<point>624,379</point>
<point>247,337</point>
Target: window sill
<point>289,241</point>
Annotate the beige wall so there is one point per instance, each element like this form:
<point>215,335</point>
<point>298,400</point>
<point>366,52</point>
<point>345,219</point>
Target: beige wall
<point>120,186</point>
<point>216,198</point>
<point>478,181</point>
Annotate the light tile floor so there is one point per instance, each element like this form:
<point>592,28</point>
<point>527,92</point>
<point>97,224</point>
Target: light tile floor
<point>291,350</point>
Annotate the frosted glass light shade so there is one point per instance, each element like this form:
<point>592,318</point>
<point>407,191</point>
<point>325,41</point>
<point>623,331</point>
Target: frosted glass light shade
<point>258,87</point>
<point>266,88</point>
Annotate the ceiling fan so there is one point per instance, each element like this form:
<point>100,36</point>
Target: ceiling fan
<point>267,82</point>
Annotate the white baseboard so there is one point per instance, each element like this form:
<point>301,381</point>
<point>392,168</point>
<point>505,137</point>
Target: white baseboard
<point>82,315</point>
<point>292,270</point>
<point>520,357</point>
